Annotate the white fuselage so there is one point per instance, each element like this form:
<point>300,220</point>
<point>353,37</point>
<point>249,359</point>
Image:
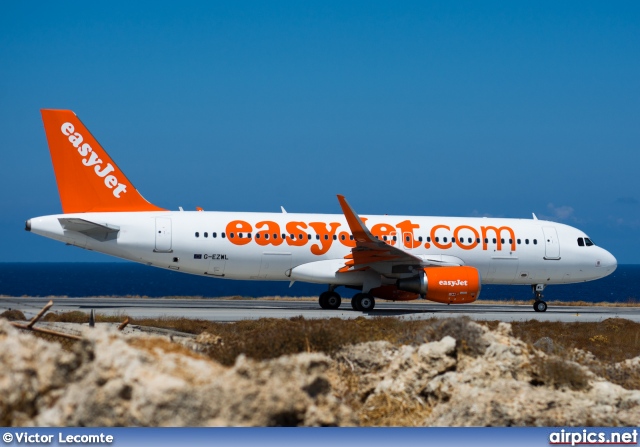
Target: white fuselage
<point>505,251</point>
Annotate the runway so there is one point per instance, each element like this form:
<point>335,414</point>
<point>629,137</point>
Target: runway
<point>225,310</point>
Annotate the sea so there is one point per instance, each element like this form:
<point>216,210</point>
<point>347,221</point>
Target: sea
<point>130,279</point>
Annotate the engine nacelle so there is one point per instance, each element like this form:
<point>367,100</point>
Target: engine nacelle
<point>451,285</point>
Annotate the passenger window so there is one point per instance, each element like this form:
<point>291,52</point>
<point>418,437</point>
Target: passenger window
<point>249,235</point>
<point>437,239</point>
<point>300,236</point>
<point>407,238</point>
<point>275,235</point>
<point>351,237</point>
<point>518,241</point>
<point>214,234</point>
<point>231,235</point>
<point>478,240</point>
<point>240,235</point>
<point>343,237</point>
<point>535,242</point>
<point>428,238</point>
<point>317,237</point>
<point>284,236</point>
<point>580,242</point>
<point>588,242</point>
<point>419,238</point>
<point>453,239</point>
<point>223,235</point>
<point>292,236</point>
<point>258,236</point>
<point>511,241</point>
<point>266,235</point>
<point>206,234</point>
<point>326,237</point>
<point>197,234</point>
<point>444,239</point>
<point>335,238</point>
<point>494,240</point>
<point>486,240</point>
<point>308,237</point>
<point>395,238</point>
<point>502,240</point>
<point>470,240</point>
<point>384,238</point>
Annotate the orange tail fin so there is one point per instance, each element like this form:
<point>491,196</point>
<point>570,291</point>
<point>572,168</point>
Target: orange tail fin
<point>88,180</point>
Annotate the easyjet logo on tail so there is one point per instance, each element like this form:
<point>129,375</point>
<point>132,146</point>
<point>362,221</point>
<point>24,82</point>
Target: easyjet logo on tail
<point>92,160</point>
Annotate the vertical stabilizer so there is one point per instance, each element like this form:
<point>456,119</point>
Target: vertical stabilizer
<point>88,180</point>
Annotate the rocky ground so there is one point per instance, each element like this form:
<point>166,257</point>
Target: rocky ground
<point>471,376</point>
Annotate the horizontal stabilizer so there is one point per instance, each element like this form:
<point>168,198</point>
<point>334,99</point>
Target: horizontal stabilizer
<point>93,230</point>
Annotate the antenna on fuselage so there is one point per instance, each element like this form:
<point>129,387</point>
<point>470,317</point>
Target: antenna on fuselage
<point>534,216</point>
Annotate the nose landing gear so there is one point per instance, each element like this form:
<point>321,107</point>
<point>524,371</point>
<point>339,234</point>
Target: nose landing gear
<point>539,305</point>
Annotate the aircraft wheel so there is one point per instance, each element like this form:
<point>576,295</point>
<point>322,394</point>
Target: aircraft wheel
<point>354,303</point>
<point>330,300</point>
<point>364,302</point>
<point>540,306</point>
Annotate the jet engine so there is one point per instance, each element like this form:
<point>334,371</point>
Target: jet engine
<point>451,285</point>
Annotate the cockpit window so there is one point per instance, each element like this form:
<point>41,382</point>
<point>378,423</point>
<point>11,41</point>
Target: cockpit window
<point>588,242</point>
<point>580,242</point>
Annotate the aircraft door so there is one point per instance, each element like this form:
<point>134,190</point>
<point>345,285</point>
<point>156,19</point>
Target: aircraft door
<point>163,235</point>
<point>551,243</point>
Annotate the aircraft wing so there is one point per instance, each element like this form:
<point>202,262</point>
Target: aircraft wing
<point>372,253</point>
<point>95,231</point>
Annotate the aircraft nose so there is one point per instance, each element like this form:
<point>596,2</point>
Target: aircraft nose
<point>608,262</point>
<point>27,225</point>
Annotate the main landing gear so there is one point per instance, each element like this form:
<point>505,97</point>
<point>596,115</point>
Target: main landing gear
<point>539,305</point>
<point>330,300</point>
<point>363,302</point>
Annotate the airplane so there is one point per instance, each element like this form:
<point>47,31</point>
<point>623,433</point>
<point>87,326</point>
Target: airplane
<point>398,258</point>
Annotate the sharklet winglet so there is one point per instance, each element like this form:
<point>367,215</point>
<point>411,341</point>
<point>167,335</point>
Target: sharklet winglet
<point>359,230</point>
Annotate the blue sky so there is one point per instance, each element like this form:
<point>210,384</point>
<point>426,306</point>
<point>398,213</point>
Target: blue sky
<point>420,108</point>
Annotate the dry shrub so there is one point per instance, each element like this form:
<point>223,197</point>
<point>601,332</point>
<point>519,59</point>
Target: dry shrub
<point>626,376</point>
<point>269,338</point>
<point>610,341</point>
<point>622,337</point>
<point>158,346</point>
<point>383,410</point>
<point>75,316</point>
<point>13,315</point>
<point>468,337</point>
<point>555,372</point>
